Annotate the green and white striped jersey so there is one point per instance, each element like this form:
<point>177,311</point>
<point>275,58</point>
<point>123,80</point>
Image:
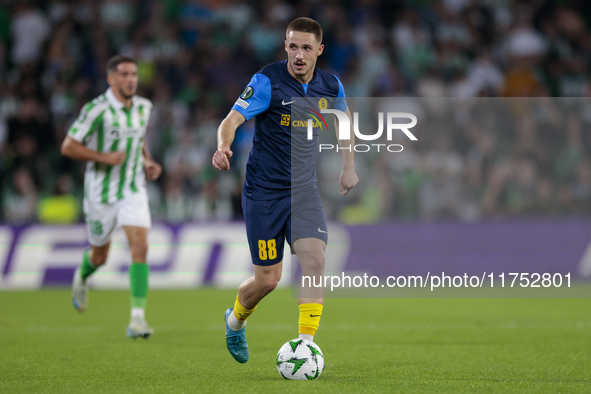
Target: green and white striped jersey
<point>105,125</point>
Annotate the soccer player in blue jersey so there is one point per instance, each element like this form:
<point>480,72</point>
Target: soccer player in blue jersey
<point>277,203</point>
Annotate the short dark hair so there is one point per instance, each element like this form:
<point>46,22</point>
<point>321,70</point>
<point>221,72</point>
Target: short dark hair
<point>306,25</point>
<point>117,60</point>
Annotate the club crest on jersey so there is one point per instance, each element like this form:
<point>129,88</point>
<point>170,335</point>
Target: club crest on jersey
<point>322,103</point>
<point>248,92</point>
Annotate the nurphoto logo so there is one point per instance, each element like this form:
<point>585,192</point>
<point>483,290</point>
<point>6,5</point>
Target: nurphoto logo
<point>344,133</point>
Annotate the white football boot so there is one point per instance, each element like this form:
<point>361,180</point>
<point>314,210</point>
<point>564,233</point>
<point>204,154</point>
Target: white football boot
<point>79,292</point>
<point>139,328</point>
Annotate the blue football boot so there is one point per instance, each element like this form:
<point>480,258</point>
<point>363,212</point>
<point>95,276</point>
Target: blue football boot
<point>236,341</point>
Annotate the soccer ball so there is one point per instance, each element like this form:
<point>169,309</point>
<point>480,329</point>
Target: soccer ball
<point>300,359</point>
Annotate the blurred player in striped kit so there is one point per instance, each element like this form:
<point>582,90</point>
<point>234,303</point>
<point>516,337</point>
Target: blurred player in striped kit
<point>109,136</point>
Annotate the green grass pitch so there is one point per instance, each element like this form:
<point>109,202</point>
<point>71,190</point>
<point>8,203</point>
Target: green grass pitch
<point>370,345</point>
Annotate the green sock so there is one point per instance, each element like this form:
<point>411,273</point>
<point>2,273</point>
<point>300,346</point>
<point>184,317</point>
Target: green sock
<point>138,281</point>
<point>86,268</point>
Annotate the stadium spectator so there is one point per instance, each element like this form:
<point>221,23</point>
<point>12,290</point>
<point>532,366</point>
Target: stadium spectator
<point>19,201</point>
<point>30,29</point>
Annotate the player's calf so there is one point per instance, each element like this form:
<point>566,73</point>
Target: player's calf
<point>91,261</point>
<point>312,262</point>
<point>139,273</point>
<point>310,252</point>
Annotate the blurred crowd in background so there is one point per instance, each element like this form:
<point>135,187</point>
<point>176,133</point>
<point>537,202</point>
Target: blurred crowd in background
<point>196,56</point>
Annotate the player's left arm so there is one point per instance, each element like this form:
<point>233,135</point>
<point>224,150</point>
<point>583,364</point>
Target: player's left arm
<point>348,178</point>
<point>152,169</point>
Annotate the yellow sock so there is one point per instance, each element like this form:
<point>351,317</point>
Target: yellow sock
<point>241,312</point>
<point>309,318</point>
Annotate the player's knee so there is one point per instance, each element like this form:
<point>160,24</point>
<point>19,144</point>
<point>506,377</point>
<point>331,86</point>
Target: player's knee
<point>270,282</point>
<point>269,285</point>
<point>312,261</point>
<point>139,250</point>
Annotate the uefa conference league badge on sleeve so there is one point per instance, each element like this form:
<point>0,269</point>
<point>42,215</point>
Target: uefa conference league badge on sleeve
<point>248,92</point>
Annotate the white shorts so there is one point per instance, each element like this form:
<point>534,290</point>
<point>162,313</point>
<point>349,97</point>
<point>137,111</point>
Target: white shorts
<point>102,219</point>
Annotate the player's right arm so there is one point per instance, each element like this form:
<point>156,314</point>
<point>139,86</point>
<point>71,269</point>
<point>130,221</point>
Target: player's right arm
<point>91,117</point>
<point>75,150</point>
<point>226,133</point>
<point>255,100</point>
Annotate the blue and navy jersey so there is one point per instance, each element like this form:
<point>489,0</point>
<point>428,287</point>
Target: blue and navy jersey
<point>268,98</point>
